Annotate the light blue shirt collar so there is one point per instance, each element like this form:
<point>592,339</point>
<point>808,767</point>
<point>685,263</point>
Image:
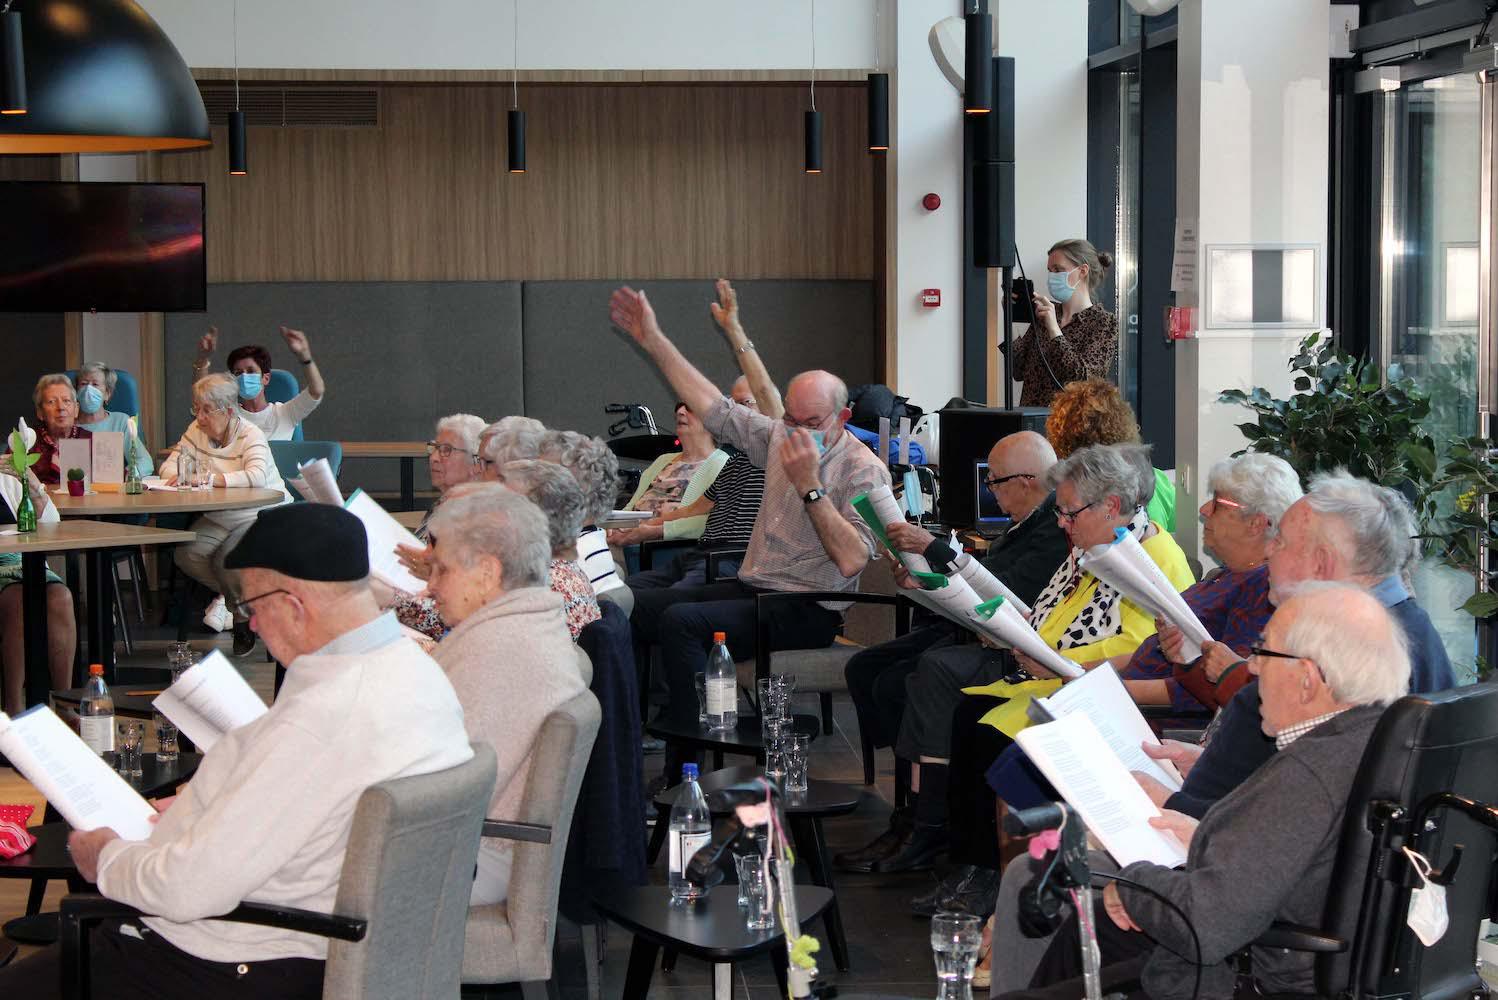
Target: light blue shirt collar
<point>367,638</point>
<point>1389,591</point>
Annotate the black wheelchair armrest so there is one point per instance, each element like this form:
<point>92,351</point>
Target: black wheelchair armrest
<point>717,557</point>
<point>534,833</point>
<point>1297,938</point>
<point>651,548</point>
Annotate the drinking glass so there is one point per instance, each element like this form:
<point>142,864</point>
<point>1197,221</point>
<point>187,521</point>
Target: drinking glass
<point>774,732</point>
<point>700,679</point>
<point>743,862</point>
<point>166,739</point>
<point>795,748</point>
<point>131,734</point>
<point>186,471</point>
<point>785,687</point>
<point>759,906</point>
<point>179,656</point>
<point>204,476</point>
<point>955,938</point>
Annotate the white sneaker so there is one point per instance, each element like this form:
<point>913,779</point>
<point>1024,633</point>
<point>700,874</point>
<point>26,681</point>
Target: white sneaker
<point>217,616</point>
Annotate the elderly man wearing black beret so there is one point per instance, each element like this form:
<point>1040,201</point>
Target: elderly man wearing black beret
<point>267,816</point>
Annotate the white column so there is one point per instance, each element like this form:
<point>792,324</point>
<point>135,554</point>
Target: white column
<point>1251,169</point>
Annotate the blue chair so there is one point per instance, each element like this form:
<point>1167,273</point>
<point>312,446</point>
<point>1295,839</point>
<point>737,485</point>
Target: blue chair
<point>126,397</point>
<point>290,454</point>
<point>283,388</point>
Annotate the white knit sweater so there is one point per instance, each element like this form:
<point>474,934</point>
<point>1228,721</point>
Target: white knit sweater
<point>268,813</point>
<point>244,461</point>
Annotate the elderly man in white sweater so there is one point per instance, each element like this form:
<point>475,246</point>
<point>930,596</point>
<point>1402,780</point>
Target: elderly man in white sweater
<point>509,654</point>
<point>268,814</point>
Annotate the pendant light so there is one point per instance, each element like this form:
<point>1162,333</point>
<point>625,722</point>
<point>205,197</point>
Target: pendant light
<point>12,63</point>
<point>977,73</point>
<point>237,159</point>
<point>813,127</point>
<point>102,77</point>
<point>878,96</point>
<point>517,117</point>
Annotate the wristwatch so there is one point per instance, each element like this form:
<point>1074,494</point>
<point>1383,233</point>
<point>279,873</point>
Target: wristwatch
<point>812,496</point>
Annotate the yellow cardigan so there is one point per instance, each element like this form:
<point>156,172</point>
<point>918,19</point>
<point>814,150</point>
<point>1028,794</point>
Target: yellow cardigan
<point>1135,626</point>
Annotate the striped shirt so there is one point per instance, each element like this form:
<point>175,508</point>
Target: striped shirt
<point>597,561</point>
<point>736,495</point>
<point>785,552</point>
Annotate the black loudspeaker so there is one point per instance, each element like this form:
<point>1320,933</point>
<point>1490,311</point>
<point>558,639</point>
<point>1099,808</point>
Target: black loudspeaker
<point>967,435</point>
<point>993,174</point>
<point>993,214</point>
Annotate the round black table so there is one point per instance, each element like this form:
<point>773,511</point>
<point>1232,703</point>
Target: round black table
<point>744,739</point>
<point>49,860</point>
<point>804,812</point>
<point>711,928</point>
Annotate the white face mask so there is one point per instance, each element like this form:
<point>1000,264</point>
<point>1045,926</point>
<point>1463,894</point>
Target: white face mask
<point>1427,914</point>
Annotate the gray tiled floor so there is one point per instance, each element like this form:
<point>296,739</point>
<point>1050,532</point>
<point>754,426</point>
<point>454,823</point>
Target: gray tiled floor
<point>888,948</point>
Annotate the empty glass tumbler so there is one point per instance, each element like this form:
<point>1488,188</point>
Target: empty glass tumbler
<point>955,939</point>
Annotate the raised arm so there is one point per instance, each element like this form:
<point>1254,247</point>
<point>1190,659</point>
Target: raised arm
<point>726,314</point>
<point>207,344</point>
<point>630,311</point>
<point>297,341</point>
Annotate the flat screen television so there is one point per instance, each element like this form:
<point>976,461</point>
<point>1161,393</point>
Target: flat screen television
<point>102,246</point>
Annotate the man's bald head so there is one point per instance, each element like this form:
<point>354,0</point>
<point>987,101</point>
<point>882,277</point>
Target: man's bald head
<point>820,389</point>
<point>1027,456</point>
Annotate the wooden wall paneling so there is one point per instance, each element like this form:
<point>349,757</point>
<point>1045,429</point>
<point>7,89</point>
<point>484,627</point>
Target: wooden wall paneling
<point>664,181</point>
<point>217,74</point>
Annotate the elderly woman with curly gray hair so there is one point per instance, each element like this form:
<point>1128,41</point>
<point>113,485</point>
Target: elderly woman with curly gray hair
<point>552,489</point>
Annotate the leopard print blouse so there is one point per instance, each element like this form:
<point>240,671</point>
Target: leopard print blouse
<point>1101,617</point>
<point>1087,348</point>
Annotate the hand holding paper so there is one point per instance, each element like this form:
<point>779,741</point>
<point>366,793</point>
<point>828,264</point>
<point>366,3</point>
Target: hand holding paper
<point>1003,621</point>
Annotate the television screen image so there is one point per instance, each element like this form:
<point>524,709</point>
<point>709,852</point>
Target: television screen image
<point>103,247</point>
<point>987,506</point>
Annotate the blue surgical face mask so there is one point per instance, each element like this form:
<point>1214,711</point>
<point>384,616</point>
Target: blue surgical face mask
<point>1058,284</point>
<point>90,399</point>
<point>819,438</point>
<point>249,385</point>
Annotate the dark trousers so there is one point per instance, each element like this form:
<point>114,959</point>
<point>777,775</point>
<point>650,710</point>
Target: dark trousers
<point>876,679</point>
<point>1059,975</point>
<point>148,967</point>
<point>686,569</point>
<point>971,804</point>
<point>682,620</point>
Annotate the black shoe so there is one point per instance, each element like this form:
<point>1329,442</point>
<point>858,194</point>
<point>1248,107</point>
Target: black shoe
<point>968,889</point>
<point>882,846</point>
<point>244,639</point>
<point>926,844</point>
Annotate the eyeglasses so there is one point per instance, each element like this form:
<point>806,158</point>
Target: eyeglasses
<point>203,409</point>
<point>1218,501</point>
<point>246,607</point>
<point>1062,514</point>
<point>811,424</point>
<point>445,450</point>
<point>1274,654</point>
<point>994,483</point>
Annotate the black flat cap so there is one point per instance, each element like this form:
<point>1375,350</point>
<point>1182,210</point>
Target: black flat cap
<point>305,541</point>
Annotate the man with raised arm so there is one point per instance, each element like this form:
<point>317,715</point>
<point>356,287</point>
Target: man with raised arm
<point>807,537</point>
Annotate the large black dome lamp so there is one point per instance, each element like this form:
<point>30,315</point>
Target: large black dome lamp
<point>102,77</point>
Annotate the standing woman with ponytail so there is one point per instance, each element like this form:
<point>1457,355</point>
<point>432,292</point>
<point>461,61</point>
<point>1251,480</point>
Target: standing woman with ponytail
<point>1072,337</point>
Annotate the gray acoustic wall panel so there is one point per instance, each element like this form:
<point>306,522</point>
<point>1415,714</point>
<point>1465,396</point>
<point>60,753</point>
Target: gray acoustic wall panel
<point>396,356</point>
<point>575,362</point>
<point>34,346</point>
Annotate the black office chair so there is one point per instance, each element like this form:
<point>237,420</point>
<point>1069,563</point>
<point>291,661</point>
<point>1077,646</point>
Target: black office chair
<point>1428,780</point>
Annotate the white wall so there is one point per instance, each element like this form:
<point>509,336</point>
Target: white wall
<point>1251,167</point>
<point>1048,40</point>
<point>476,34</point>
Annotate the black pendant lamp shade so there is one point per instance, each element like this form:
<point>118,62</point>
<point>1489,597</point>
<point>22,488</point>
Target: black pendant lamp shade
<point>237,158</point>
<point>977,76</point>
<point>814,142</point>
<point>12,65</point>
<point>878,112</point>
<point>104,78</point>
<point>517,141</point>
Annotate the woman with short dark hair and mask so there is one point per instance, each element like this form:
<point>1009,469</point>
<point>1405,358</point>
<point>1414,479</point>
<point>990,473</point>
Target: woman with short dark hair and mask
<point>1073,337</point>
<point>250,366</point>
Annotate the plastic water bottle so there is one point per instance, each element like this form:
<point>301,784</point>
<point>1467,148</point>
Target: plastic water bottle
<point>722,686</point>
<point>96,714</point>
<point>690,831</point>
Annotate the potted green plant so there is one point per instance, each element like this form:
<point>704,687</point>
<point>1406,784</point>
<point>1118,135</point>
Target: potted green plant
<point>75,482</point>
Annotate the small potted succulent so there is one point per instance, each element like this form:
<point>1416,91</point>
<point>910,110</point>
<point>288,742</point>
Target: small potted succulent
<point>75,482</point>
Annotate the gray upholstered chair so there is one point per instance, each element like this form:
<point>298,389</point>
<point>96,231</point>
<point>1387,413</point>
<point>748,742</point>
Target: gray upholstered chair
<point>511,942</point>
<point>397,927</point>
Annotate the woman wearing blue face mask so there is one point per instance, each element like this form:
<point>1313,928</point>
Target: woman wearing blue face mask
<point>95,383</point>
<point>250,365</point>
<point>1072,338</point>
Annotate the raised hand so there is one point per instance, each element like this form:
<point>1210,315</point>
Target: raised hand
<point>726,310</point>
<point>1182,755</point>
<point>208,343</point>
<point>802,461</point>
<point>297,341</point>
<point>630,311</point>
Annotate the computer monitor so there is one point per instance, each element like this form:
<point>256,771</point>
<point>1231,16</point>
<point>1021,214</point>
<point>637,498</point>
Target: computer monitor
<point>989,515</point>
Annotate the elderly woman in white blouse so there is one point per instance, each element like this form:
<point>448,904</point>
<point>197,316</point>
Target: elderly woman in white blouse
<point>235,453</point>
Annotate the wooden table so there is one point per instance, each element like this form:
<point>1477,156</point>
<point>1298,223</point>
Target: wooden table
<point>407,451</point>
<point>165,501</point>
<point>96,538</point>
<point>410,519</point>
